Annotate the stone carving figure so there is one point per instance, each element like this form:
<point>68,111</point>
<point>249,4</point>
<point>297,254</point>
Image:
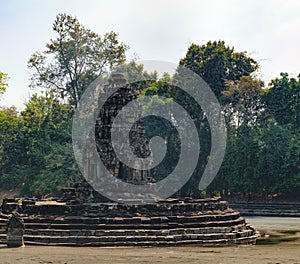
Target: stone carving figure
<point>15,231</point>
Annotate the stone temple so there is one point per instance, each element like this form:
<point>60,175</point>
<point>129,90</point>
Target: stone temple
<point>81,217</point>
<point>138,141</point>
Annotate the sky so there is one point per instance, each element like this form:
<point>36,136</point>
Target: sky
<point>154,30</point>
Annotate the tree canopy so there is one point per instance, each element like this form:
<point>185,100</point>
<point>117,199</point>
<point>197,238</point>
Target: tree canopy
<point>217,63</point>
<point>74,59</point>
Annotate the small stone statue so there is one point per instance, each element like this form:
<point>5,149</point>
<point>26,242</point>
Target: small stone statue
<point>15,231</point>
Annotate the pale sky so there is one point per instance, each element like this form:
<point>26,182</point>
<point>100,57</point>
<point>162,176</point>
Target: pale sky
<point>156,29</point>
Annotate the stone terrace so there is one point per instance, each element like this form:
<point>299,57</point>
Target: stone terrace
<point>168,222</point>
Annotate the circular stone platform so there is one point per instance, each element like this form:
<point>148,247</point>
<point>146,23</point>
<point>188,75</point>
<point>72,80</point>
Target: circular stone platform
<point>167,222</point>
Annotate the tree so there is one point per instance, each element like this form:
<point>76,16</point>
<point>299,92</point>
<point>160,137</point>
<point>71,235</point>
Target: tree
<point>36,148</point>
<point>46,130</point>
<point>161,127</point>
<point>135,71</point>
<point>11,153</point>
<point>74,59</point>
<point>3,82</point>
<point>215,63</point>
<point>263,137</point>
<point>282,100</point>
<point>274,141</point>
<point>242,100</point>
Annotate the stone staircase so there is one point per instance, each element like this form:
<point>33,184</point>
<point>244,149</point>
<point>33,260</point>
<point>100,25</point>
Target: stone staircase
<point>165,223</point>
<point>3,222</point>
<point>263,209</point>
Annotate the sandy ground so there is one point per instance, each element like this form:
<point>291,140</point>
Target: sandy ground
<point>281,245</point>
<point>244,254</point>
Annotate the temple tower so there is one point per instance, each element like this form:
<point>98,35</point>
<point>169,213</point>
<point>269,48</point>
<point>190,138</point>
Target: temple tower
<point>139,144</point>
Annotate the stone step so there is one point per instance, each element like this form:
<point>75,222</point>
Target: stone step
<point>3,238</point>
<point>154,242</point>
<point>131,220</point>
<point>158,238</point>
<point>114,226</point>
<point>142,232</point>
<point>3,221</point>
<point>271,209</point>
<point>266,206</point>
<point>45,237</point>
<point>231,238</point>
<point>110,209</point>
<point>100,212</point>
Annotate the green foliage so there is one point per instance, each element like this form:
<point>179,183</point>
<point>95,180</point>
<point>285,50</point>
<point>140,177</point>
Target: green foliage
<point>159,127</point>
<point>283,100</point>
<point>74,59</point>
<point>138,78</point>
<point>10,150</point>
<point>262,152</point>
<point>37,153</point>
<point>136,71</point>
<point>3,82</point>
<point>47,126</point>
<point>203,194</point>
<point>156,126</point>
<point>262,155</point>
<point>59,170</point>
<point>242,101</point>
<point>215,63</point>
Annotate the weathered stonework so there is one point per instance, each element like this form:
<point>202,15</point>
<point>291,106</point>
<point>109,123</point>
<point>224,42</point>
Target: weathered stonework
<point>168,222</point>
<point>15,231</point>
<point>139,143</point>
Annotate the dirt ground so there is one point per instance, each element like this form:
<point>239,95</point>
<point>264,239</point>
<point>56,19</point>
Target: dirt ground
<point>259,254</point>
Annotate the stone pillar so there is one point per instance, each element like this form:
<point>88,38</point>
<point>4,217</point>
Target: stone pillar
<point>15,231</point>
